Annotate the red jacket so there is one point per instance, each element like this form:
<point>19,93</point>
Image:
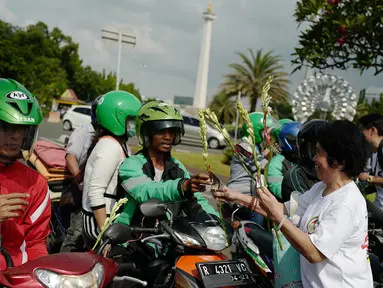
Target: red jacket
<point>24,237</point>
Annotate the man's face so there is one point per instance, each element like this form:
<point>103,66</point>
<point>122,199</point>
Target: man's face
<point>370,134</point>
<point>11,139</point>
<point>162,140</point>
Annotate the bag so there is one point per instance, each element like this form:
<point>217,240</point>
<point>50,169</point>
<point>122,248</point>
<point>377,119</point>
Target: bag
<point>71,197</point>
<point>287,265</point>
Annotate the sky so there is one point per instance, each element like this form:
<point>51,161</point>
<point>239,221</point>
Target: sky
<point>164,61</point>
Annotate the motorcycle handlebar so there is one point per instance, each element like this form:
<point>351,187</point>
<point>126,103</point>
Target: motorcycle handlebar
<point>146,230</point>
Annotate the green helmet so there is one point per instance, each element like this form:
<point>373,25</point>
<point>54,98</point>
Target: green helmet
<point>256,119</point>
<point>153,117</point>
<point>18,106</point>
<point>114,109</point>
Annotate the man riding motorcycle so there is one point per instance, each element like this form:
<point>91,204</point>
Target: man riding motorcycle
<point>154,173</point>
<point>303,176</point>
<point>24,217</point>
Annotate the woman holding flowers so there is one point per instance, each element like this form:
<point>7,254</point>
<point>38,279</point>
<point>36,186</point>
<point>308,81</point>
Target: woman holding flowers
<point>329,228</point>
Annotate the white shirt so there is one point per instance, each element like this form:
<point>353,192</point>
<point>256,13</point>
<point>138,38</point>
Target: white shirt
<point>101,174</point>
<point>80,141</point>
<point>158,174</point>
<point>337,226</point>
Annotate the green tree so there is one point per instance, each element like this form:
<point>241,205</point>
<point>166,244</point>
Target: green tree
<point>224,107</point>
<point>340,34</point>
<point>282,110</point>
<point>250,75</point>
<point>47,63</point>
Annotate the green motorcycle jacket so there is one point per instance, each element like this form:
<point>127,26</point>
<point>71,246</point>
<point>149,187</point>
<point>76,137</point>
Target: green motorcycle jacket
<point>137,178</point>
<point>278,166</point>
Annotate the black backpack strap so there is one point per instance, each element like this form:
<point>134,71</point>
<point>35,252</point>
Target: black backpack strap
<point>380,154</point>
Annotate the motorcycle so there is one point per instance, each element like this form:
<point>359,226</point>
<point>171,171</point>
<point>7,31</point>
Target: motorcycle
<point>255,244</point>
<point>86,270</point>
<point>189,250</point>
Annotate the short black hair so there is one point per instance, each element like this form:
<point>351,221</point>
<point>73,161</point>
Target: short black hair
<point>345,144</point>
<point>372,120</point>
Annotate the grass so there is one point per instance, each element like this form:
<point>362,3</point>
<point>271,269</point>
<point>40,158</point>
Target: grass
<point>194,160</point>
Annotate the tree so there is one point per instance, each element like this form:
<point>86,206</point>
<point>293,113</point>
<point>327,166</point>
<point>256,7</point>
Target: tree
<point>341,34</point>
<point>250,76</point>
<point>224,107</point>
<point>47,63</point>
<point>282,110</point>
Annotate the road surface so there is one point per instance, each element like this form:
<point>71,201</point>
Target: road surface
<point>53,131</point>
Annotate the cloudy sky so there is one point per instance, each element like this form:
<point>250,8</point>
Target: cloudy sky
<point>164,62</point>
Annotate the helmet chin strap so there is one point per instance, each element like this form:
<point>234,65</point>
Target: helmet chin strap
<point>7,161</point>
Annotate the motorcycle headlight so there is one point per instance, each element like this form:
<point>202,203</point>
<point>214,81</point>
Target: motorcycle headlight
<point>92,279</point>
<point>187,240</point>
<point>214,237</point>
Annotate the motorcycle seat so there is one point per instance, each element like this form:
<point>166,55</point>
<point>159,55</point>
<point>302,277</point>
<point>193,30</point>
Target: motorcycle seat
<point>262,238</point>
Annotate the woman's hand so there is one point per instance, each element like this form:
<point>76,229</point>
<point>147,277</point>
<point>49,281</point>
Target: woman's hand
<point>225,194</point>
<point>270,205</point>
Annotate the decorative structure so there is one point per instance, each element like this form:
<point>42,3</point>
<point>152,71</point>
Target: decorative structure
<point>327,94</point>
<point>203,69</point>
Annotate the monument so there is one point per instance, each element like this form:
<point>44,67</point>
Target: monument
<point>203,68</point>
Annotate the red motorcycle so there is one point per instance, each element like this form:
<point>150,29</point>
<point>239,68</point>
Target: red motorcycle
<point>85,270</point>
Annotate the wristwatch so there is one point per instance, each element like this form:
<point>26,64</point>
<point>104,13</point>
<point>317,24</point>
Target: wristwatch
<point>370,179</point>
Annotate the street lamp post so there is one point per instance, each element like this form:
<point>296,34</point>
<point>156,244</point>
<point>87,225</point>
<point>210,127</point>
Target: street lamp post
<point>119,36</point>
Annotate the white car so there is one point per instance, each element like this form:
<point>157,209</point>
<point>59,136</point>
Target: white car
<point>215,139</point>
<point>76,116</point>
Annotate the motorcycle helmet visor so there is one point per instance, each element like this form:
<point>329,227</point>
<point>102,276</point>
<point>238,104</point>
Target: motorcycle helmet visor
<point>151,127</point>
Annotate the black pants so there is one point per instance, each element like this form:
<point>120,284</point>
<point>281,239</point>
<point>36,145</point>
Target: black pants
<point>74,241</point>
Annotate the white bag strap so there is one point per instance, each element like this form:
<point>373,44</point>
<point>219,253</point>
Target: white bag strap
<point>294,202</point>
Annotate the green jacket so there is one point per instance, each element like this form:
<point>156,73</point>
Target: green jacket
<point>137,176</point>
<point>278,166</point>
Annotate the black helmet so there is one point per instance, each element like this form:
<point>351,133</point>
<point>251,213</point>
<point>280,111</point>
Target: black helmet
<point>93,109</point>
<point>307,139</point>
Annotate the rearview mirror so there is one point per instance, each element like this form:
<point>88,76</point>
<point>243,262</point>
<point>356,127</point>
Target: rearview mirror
<point>118,233</point>
<point>153,208</point>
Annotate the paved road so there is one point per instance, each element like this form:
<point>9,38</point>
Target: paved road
<point>53,131</point>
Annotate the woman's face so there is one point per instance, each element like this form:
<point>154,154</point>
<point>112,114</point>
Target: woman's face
<point>322,167</point>
<point>162,140</point>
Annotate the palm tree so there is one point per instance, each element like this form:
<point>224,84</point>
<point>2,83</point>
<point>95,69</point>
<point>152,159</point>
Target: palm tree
<point>224,107</point>
<point>250,76</point>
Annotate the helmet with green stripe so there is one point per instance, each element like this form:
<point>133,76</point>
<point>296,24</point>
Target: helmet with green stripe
<point>19,112</point>
<point>115,109</point>
<point>256,119</point>
<point>153,117</point>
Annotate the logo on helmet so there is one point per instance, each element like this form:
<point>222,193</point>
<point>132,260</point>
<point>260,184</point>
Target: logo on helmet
<point>17,95</point>
<point>100,101</point>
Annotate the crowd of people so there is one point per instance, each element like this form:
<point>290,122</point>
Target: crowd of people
<point>320,159</point>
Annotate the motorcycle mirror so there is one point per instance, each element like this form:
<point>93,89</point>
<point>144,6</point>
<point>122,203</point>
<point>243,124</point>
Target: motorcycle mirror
<point>118,233</point>
<point>153,208</point>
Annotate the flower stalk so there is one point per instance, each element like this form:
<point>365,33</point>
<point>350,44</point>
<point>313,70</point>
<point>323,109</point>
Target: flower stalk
<point>109,221</point>
<point>265,104</point>
<point>202,134</point>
